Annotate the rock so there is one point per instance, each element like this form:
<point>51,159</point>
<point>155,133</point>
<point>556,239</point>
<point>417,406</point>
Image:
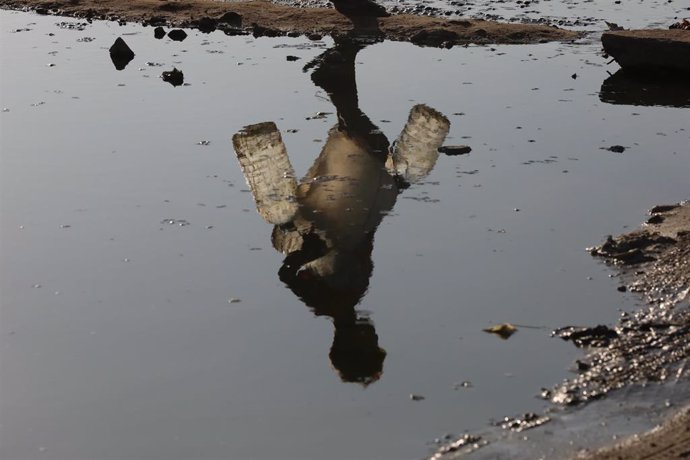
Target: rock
<point>177,35</point>
<point>121,54</point>
<point>261,31</point>
<point>174,77</point>
<point>206,25</point>
<point>632,248</point>
<point>159,32</point>
<point>452,150</point>
<point>649,49</point>
<point>616,149</point>
<point>434,37</point>
<point>599,336</point>
<point>292,58</point>
<point>154,21</point>
<point>231,18</point>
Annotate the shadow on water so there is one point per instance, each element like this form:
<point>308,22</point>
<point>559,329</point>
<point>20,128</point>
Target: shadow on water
<point>657,88</point>
<point>325,225</point>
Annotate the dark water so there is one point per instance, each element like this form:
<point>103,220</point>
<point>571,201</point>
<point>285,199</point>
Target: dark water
<point>144,315</point>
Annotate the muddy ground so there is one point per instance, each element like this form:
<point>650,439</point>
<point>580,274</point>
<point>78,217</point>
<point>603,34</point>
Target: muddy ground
<point>649,345</point>
<point>652,344</point>
<point>262,18</point>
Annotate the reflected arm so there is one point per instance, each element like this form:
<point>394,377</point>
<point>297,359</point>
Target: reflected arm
<point>267,170</point>
<point>415,152</point>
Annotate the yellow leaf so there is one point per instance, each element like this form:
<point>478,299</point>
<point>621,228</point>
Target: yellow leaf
<point>504,330</point>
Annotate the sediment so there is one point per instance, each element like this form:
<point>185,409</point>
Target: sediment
<point>262,18</point>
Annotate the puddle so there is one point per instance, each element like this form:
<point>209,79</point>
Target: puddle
<point>142,242</point>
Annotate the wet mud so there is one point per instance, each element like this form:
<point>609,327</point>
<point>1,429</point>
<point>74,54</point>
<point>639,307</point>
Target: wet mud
<point>651,345</point>
<point>262,18</point>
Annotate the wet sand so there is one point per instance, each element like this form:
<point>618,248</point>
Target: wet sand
<point>654,261</point>
<point>262,18</point>
<point>669,441</point>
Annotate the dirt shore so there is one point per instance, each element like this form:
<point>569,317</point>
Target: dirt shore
<point>648,345</point>
<point>669,441</point>
<point>262,18</point>
<point>654,261</point>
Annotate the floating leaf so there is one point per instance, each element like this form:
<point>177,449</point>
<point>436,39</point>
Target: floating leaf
<point>504,330</point>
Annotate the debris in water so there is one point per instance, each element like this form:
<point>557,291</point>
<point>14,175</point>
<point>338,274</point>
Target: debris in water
<point>415,397</point>
<point>292,58</point>
<point>121,54</point>
<point>174,77</point>
<point>453,150</point>
<point>204,143</point>
<point>463,384</point>
<point>615,148</point>
<point>234,300</point>
<point>504,330</point>
<point>178,222</point>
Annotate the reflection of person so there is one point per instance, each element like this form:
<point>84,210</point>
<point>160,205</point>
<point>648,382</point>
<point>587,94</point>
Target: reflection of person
<point>325,225</point>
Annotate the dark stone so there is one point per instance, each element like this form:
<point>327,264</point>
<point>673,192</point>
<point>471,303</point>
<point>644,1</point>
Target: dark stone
<point>663,208</point>
<point>616,149</point>
<point>231,18</point>
<point>452,150</point>
<point>598,336</point>
<point>159,32</point>
<point>121,54</point>
<point>41,11</point>
<point>174,77</point>
<point>656,219</point>
<point>633,248</point>
<point>314,36</point>
<point>621,289</point>
<point>292,58</point>
<point>177,35</point>
<point>206,25</point>
<point>155,21</point>
<point>434,37</point>
<point>261,31</point>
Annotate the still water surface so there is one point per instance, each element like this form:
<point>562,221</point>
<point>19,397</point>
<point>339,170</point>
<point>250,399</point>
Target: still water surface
<point>143,312</point>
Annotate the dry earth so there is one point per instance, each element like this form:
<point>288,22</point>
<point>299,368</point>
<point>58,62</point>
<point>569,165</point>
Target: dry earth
<point>262,18</point>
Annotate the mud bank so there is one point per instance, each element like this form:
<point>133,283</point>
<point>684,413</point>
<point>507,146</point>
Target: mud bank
<point>262,18</point>
<point>650,344</point>
<point>646,346</point>
<point>669,441</point>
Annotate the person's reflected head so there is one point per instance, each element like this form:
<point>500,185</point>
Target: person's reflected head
<point>355,353</point>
